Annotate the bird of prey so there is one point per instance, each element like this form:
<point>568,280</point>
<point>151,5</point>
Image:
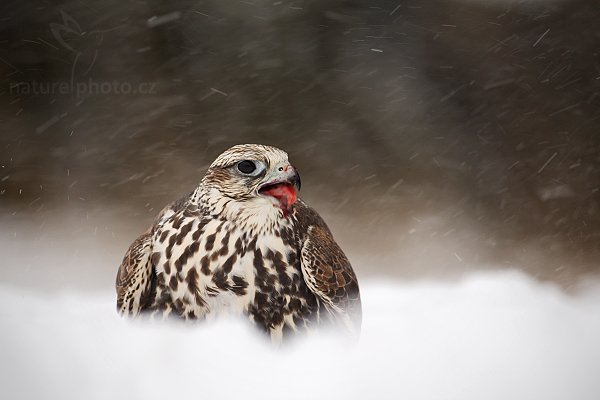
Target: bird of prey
<point>243,243</point>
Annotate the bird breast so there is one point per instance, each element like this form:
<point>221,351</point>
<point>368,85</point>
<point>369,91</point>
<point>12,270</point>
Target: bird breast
<point>212,267</point>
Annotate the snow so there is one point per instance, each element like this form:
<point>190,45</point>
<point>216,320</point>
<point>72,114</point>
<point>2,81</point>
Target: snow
<point>493,335</point>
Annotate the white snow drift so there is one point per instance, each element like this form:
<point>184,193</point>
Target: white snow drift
<point>490,336</point>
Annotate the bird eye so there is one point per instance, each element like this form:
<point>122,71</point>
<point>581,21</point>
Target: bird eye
<point>247,167</point>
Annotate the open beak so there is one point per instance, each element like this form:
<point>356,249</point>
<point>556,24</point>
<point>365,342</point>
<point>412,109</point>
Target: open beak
<point>283,184</point>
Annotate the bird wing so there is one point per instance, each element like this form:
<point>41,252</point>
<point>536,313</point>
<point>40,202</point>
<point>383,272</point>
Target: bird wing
<point>136,278</point>
<point>327,271</point>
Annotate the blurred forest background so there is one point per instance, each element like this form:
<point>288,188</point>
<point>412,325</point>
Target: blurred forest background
<point>435,137</point>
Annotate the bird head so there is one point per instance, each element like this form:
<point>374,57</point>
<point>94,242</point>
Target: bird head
<point>255,176</point>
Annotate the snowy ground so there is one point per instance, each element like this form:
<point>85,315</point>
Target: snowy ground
<point>495,335</point>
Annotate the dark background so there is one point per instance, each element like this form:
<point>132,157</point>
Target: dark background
<point>436,137</point>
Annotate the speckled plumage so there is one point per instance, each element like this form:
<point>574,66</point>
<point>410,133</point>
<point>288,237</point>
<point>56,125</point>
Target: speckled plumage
<point>227,248</point>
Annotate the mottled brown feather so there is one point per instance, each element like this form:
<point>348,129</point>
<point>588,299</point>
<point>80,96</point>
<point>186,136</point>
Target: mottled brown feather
<point>136,278</point>
<point>326,269</point>
<point>135,275</point>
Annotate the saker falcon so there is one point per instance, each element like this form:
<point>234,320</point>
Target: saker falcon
<point>242,242</point>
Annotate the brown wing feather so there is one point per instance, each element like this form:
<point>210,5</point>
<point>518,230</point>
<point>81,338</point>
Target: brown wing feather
<point>327,271</point>
<point>135,276</point>
<point>136,279</point>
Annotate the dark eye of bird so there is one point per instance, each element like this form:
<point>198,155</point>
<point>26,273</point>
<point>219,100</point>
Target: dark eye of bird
<point>246,167</point>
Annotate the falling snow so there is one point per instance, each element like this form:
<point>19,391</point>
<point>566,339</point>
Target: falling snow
<point>452,147</point>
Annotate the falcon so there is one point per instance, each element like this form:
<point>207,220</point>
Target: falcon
<point>243,243</point>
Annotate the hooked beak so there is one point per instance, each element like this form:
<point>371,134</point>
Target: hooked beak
<point>282,183</point>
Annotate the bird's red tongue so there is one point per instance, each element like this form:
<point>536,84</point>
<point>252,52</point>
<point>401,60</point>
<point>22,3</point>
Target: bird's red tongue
<point>285,193</point>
